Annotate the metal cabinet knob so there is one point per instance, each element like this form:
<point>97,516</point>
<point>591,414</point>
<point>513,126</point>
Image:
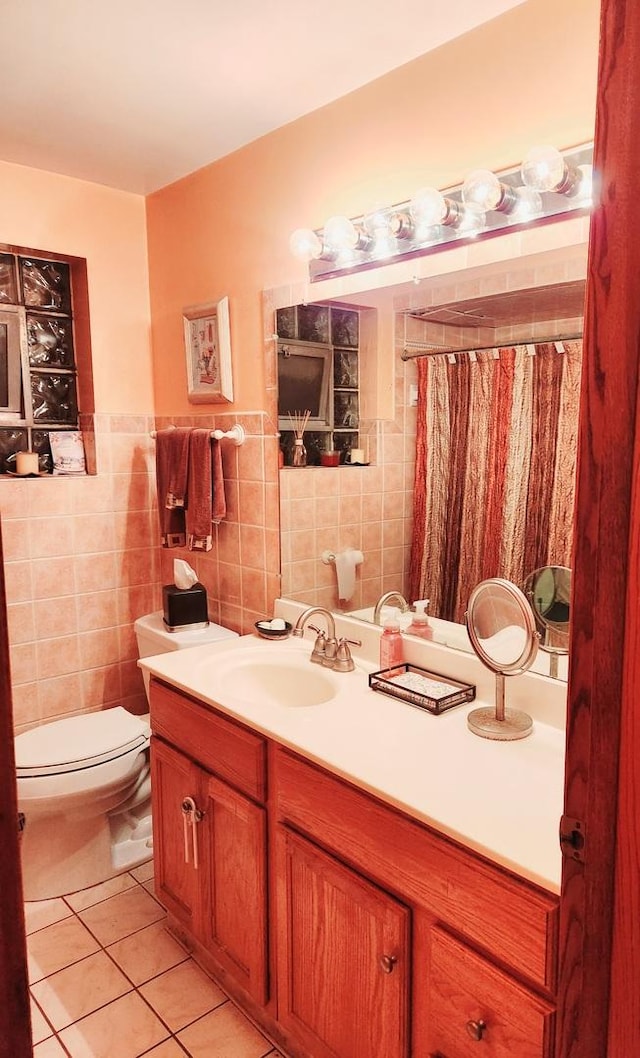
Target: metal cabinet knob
<point>476,1029</point>
<point>387,963</point>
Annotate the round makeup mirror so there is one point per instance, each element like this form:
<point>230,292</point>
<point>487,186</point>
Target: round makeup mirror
<point>548,590</point>
<point>502,631</point>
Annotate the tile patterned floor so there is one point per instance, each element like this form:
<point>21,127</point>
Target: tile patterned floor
<point>108,981</point>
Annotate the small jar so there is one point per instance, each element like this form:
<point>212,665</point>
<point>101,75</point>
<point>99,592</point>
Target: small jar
<point>299,453</point>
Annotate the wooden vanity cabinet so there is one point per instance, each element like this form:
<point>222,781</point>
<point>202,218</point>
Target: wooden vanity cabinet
<point>210,846</point>
<point>475,946</point>
<point>387,940</point>
<point>343,960</point>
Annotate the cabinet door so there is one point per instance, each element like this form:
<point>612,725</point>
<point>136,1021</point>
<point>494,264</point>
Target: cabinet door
<point>472,1002</point>
<point>343,957</point>
<point>177,878</point>
<point>235,908</point>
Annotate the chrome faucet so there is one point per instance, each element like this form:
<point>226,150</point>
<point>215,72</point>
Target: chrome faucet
<point>404,605</point>
<point>327,650</point>
<point>326,645</point>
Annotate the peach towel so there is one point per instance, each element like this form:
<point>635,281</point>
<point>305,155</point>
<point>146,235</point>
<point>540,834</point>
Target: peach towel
<point>206,503</point>
<point>172,469</point>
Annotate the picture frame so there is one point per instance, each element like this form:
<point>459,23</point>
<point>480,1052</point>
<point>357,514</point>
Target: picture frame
<point>207,339</point>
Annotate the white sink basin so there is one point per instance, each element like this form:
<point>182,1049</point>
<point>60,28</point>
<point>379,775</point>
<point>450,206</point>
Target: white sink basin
<point>285,678</point>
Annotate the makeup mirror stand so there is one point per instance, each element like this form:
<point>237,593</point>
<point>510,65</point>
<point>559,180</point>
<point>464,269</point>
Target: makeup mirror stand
<point>502,603</point>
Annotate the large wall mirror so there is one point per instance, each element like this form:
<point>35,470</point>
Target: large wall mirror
<point>470,452</point>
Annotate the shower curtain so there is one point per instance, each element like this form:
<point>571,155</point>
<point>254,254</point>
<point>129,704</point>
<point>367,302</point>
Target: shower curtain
<point>495,468</point>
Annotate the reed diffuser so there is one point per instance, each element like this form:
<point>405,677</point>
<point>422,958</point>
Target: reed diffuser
<point>299,421</point>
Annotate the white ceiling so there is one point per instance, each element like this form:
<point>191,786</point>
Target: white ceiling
<point>137,93</point>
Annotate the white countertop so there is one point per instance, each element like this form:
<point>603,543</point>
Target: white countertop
<point>502,799</point>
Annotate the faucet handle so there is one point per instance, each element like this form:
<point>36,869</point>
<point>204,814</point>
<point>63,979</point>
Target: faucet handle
<point>343,660</point>
<point>318,653</point>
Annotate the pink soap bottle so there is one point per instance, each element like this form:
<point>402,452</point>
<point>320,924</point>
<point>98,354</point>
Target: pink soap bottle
<point>420,624</point>
<point>391,651</point>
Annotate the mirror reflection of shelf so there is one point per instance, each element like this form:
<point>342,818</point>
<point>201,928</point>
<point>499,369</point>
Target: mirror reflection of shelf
<point>318,368</point>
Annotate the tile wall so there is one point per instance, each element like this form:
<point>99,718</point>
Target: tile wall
<point>80,564</point>
<point>367,508</point>
<point>82,561</point>
<point>242,571</point>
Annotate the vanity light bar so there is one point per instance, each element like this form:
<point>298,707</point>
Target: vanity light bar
<point>548,184</point>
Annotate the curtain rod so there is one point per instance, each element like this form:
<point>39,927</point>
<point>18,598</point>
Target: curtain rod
<point>413,349</point>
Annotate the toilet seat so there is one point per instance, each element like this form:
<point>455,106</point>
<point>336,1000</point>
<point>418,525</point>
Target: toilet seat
<point>77,742</point>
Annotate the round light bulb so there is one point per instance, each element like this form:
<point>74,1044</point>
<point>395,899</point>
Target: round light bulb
<point>340,233</point>
<point>428,207</point>
<point>482,189</point>
<point>305,244</point>
<point>543,169</point>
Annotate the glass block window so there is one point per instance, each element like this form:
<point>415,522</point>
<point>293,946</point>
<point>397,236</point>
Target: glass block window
<point>42,296</point>
<point>338,329</point>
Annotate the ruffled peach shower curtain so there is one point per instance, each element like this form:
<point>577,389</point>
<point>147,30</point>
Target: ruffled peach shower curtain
<point>495,469</point>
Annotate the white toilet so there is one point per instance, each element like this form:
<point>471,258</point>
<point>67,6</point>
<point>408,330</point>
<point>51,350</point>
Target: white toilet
<point>84,785</point>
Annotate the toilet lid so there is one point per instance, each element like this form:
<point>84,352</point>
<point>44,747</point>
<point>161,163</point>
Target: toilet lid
<point>79,742</point>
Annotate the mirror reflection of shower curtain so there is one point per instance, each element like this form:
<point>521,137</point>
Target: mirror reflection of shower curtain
<point>495,469</point>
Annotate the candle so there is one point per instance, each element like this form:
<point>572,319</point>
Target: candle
<point>26,463</point>
<point>357,455</point>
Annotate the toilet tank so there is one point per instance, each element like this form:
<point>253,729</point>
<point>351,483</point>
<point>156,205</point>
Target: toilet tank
<point>153,636</point>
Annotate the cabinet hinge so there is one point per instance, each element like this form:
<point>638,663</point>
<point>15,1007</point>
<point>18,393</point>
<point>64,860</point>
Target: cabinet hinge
<point>573,839</point>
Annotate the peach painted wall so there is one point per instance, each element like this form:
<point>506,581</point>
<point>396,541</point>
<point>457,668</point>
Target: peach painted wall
<point>80,555</point>
<point>482,100</point>
<point>45,211</point>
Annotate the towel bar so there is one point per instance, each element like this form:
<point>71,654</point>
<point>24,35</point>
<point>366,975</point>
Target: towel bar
<point>237,434</point>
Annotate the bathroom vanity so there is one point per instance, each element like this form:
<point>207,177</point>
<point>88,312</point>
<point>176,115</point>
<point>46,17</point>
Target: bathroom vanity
<point>315,860</point>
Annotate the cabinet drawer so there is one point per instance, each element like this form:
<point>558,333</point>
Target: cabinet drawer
<point>472,1002</point>
<point>512,919</point>
<point>220,745</point>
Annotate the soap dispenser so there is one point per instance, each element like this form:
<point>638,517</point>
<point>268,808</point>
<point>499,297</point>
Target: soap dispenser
<point>420,623</point>
<point>391,650</point>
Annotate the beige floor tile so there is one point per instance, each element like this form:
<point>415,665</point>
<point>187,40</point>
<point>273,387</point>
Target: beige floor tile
<point>150,886</point>
<point>168,1049</point>
<point>144,872</point>
<point>88,897</point>
<point>122,915</point>
<point>57,946</point>
<point>41,913</point>
<point>225,1033</point>
<point>80,989</point>
<point>125,1028</point>
<point>49,1049</point>
<point>182,994</point>
<point>147,953</point>
<point>40,1027</point>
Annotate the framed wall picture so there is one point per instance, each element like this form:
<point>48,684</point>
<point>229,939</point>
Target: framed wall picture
<point>207,339</point>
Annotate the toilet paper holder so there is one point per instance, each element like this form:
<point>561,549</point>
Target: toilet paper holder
<point>345,563</point>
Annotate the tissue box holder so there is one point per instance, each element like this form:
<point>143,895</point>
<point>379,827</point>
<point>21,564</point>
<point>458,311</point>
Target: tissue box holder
<point>185,608</point>
<point>419,687</point>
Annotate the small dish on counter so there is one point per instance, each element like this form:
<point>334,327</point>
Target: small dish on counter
<point>267,630</point>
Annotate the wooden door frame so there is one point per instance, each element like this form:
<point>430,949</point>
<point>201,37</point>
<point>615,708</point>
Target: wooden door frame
<point>605,662</point>
<point>15,1024</point>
